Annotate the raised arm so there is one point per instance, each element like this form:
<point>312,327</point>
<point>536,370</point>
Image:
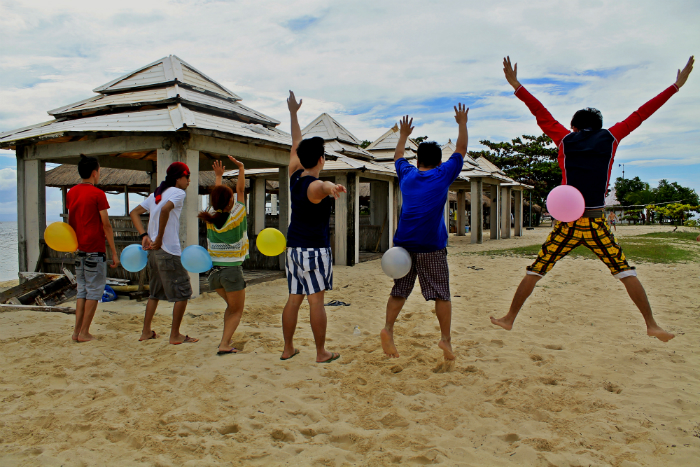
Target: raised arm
<point>218,168</point>
<point>240,183</point>
<point>631,123</point>
<point>405,130</point>
<point>546,122</point>
<point>319,190</point>
<point>293,105</point>
<point>463,136</point>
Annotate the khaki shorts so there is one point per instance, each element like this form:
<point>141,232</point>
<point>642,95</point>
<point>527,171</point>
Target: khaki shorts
<point>169,280</point>
<point>229,278</point>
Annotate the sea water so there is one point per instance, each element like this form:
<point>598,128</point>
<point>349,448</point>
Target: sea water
<point>8,251</point>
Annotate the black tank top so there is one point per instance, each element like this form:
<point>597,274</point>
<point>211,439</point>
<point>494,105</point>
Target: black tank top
<point>309,226</point>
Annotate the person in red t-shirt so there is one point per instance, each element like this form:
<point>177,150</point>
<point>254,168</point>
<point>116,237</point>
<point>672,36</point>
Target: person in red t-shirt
<point>87,214</point>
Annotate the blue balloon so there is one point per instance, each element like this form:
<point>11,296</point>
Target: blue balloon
<point>133,258</point>
<point>196,259</point>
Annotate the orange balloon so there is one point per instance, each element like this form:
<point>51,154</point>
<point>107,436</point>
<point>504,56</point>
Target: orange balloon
<point>60,236</point>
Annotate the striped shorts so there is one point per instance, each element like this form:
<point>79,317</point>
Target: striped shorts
<point>309,270</point>
<point>594,234</point>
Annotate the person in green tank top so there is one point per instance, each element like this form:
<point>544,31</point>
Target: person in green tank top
<point>227,243</point>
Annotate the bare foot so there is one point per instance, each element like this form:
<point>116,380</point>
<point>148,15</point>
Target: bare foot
<point>148,335</point>
<point>287,354</point>
<point>446,347</point>
<point>85,337</point>
<point>183,340</point>
<point>388,343</point>
<point>660,334</point>
<point>504,322</point>
<point>75,337</point>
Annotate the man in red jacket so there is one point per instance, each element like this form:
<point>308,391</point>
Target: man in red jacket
<point>586,157</point>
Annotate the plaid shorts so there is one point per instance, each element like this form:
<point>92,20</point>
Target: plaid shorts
<point>593,233</point>
<point>433,274</point>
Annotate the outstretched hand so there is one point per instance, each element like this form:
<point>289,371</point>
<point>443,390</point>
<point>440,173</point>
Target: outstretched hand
<point>337,190</point>
<point>511,73</point>
<point>405,128</point>
<point>292,103</point>
<point>218,168</point>
<point>461,116</point>
<point>238,163</point>
<point>682,76</point>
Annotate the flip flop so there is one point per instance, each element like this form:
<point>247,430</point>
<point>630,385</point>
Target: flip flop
<point>296,351</point>
<point>153,336</point>
<point>334,356</point>
<point>225,352</point>
<point>188,340</point>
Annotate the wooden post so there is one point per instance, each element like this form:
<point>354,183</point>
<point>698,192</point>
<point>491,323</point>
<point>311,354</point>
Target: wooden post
<point>505,212</point>
<point>518,194</point>
<point>154,181</point>
<point>273,204</point>
<point>258,205</point>
<point>64,204</point>
<point>495,212</point>
<point>461,213</point>
<point>341,223</point>
<point>189,224</point>
<point>21,211</point>
<point>391,214</point>
<point>285,210</point>
<point>126,199</point>
<point>353,187</point>
<point>446,217</point>
<point>477,210</point>
<point>397,209</point>
<point>34,210</point>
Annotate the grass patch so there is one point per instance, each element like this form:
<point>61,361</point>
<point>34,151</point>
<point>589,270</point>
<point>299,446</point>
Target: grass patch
<point>677,236</point>
<point>636,249</point>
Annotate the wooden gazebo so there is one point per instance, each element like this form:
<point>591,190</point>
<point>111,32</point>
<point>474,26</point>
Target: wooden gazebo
<point>163,112</point>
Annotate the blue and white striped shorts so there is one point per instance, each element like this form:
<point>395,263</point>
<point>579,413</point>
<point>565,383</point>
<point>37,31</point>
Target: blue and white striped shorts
<point>309,270</point>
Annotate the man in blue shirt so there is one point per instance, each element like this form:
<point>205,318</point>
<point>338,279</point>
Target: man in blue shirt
<point>422,230</point>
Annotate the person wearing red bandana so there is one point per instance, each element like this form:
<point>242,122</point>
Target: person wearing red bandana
<point>168,278</point>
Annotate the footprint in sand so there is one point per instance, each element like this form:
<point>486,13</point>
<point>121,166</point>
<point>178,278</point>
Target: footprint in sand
<point>497,343</point>
<point>553,347</point>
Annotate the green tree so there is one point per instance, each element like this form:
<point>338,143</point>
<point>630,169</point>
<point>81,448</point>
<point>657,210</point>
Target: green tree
<point>420,139</point>
<point>672,191</point>
<point>625,186</point>
<point>526,159</point>
<point>365,143</point>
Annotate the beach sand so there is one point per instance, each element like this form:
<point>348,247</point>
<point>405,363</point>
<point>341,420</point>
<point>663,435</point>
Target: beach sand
<point>576,383</point>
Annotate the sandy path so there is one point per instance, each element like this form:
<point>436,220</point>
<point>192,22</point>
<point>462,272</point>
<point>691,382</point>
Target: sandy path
<point>577,382</point>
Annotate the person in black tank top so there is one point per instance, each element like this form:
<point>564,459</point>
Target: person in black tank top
<point>309,261</point>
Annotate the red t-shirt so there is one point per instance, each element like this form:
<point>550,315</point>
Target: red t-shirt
<point>84,204</point>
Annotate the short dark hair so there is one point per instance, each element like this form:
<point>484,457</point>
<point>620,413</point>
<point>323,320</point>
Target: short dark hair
<point>87,165</point>
<point>310,151</point>
<point>429,154</point>
<point>588,118</point>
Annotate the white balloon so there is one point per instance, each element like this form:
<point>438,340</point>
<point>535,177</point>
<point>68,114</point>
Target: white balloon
<point>396,262</point>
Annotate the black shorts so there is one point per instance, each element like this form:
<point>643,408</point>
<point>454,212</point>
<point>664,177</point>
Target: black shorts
<point>432,272</point>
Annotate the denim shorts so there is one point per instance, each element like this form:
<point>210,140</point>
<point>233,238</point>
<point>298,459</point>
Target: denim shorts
<point>169,279</point>
<point>91,276</point>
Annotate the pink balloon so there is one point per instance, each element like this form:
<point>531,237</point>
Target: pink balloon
<point>565,203</point>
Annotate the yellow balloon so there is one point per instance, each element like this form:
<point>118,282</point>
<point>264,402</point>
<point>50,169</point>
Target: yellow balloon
<point>271,242</point>
<point>60,236</point>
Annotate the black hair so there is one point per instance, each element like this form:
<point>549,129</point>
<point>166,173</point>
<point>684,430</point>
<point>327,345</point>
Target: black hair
<point>87,165</point>
<point>429,154</point>
<point>310,151</point>
<point>588,119</point>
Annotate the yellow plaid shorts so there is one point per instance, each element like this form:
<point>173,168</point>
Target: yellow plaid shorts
<point>593,233</point>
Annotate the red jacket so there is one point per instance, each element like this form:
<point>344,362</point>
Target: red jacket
<point>586,157</point>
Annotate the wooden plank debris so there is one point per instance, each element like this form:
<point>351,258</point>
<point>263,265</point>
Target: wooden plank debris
<point>52,309</point>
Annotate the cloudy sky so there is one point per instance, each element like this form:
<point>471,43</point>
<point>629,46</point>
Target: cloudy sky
<point>368,62</point>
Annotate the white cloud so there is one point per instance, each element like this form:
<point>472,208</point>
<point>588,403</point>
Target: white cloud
<point>8,178</point>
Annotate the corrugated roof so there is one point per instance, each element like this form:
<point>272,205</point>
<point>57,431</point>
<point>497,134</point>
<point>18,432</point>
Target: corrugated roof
<point>348,150</point>
<point>328,128</point>
<point>488,166</point>
<point>162,96</point>
<point>389,140</point>
<point>449,149</point>
<point>167,70</point>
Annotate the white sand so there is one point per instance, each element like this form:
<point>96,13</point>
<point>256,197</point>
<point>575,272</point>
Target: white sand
<point>577,382</point>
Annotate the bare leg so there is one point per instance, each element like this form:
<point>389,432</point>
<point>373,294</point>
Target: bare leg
<point>289,323</point>
<point>639,297</point>
<point>89,313</point>
<point>443,310</point>
<point>178,313</point>
<point>232,316</point>
<point>527,285</point>
<point>151,307</point>
<point>79,311</point>
<point>318,325</point>
<point>393,308</point>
